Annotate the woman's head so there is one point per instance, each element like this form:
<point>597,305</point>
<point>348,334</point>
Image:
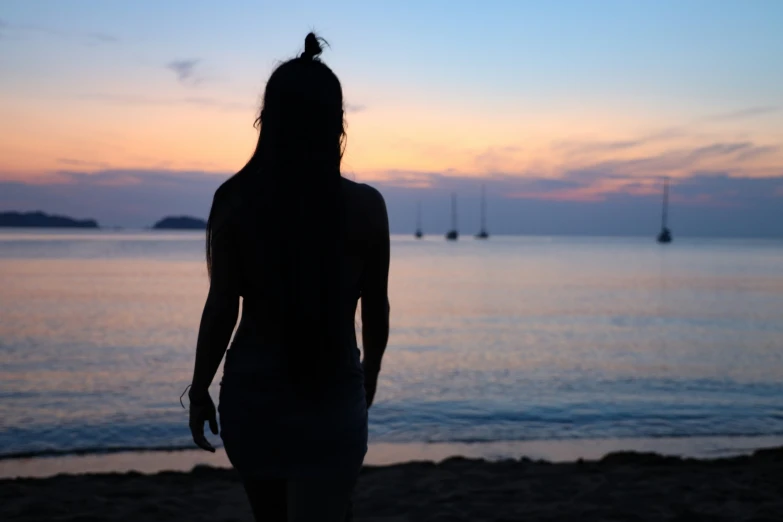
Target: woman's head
<point>301,120</point>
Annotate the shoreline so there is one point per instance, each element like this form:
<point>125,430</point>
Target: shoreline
<point>627,486</point>
<point>156,460</point>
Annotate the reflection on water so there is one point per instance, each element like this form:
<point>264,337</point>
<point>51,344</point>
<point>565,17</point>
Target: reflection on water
<point>511,339</point>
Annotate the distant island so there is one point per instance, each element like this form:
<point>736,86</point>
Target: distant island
<point>40,220</point>
<point>180,223</point>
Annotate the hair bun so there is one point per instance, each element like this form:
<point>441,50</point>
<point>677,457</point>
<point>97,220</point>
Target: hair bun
<point>312,47</point>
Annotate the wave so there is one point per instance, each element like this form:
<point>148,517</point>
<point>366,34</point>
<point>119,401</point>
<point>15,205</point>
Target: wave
<point>97,450</point>
<point>107,450</point>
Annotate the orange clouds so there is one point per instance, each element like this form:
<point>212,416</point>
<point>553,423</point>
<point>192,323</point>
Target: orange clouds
<point>607,153</point>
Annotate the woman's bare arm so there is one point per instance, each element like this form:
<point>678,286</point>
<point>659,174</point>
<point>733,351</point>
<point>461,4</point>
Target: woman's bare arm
<point>222,306</point>
<point>375,296</point>
<point>217,323</point>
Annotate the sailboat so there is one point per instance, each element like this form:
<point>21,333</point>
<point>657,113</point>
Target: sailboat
<point>666,235</point>
<point>483,234</point>
<point>453,235</point>
<point>419,234</point>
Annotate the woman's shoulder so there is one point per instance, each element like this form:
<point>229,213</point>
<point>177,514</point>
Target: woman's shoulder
<point>228,193</point>
<point>365,195</point>
<point>368,203</point>
<point>227,202</point>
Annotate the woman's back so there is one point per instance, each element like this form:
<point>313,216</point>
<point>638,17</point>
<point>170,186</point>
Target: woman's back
<point>260,343</point>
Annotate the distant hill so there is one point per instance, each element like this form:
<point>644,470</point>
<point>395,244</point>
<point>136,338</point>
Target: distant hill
<point>41,220</point>
<point>180,223</point>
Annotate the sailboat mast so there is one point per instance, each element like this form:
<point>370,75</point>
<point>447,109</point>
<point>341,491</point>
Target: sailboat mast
<point>418,215</point>
<point>665,202</point>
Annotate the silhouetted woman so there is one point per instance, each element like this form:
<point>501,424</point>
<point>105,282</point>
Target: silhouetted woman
<point>301,245</point>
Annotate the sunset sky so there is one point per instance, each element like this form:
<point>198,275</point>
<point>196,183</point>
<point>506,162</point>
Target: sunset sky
<point>569,112</point>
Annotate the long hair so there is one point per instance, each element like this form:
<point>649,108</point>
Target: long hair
<point>292,218</point>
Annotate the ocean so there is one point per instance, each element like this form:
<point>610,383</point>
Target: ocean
<point>510,340</point>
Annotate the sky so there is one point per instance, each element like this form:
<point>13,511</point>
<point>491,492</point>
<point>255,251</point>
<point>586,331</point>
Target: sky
<point>570,113</point>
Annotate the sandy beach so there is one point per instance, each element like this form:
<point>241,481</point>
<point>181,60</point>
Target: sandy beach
<point>623,486</point>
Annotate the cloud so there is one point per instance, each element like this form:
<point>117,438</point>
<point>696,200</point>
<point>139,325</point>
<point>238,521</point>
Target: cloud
<point>186,71</point>
<point>704,203</point>
<point>351,107</point>
<point>587,147</point>
<point>605,180</point>
<point>720,185</point>
<point>496,158</point>
<point>81,163</point>
<point>757,152</point>
<point>665,134</point>
<point>633,153</point>
<point>598,176</point>
<point>582,147</point>
<point>133,99</point>
<point>101,38</point>
<point>742,114</point>
<point>226,106</point>
<point>90,38</point>
<point>682,160</point>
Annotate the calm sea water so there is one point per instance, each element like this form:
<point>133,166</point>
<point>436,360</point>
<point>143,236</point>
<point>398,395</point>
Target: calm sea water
<point>513,339</point>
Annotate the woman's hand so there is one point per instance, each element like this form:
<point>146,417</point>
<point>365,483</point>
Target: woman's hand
<point>202,410</point>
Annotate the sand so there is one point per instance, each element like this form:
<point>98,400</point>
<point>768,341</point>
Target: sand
<point>620,487</point>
